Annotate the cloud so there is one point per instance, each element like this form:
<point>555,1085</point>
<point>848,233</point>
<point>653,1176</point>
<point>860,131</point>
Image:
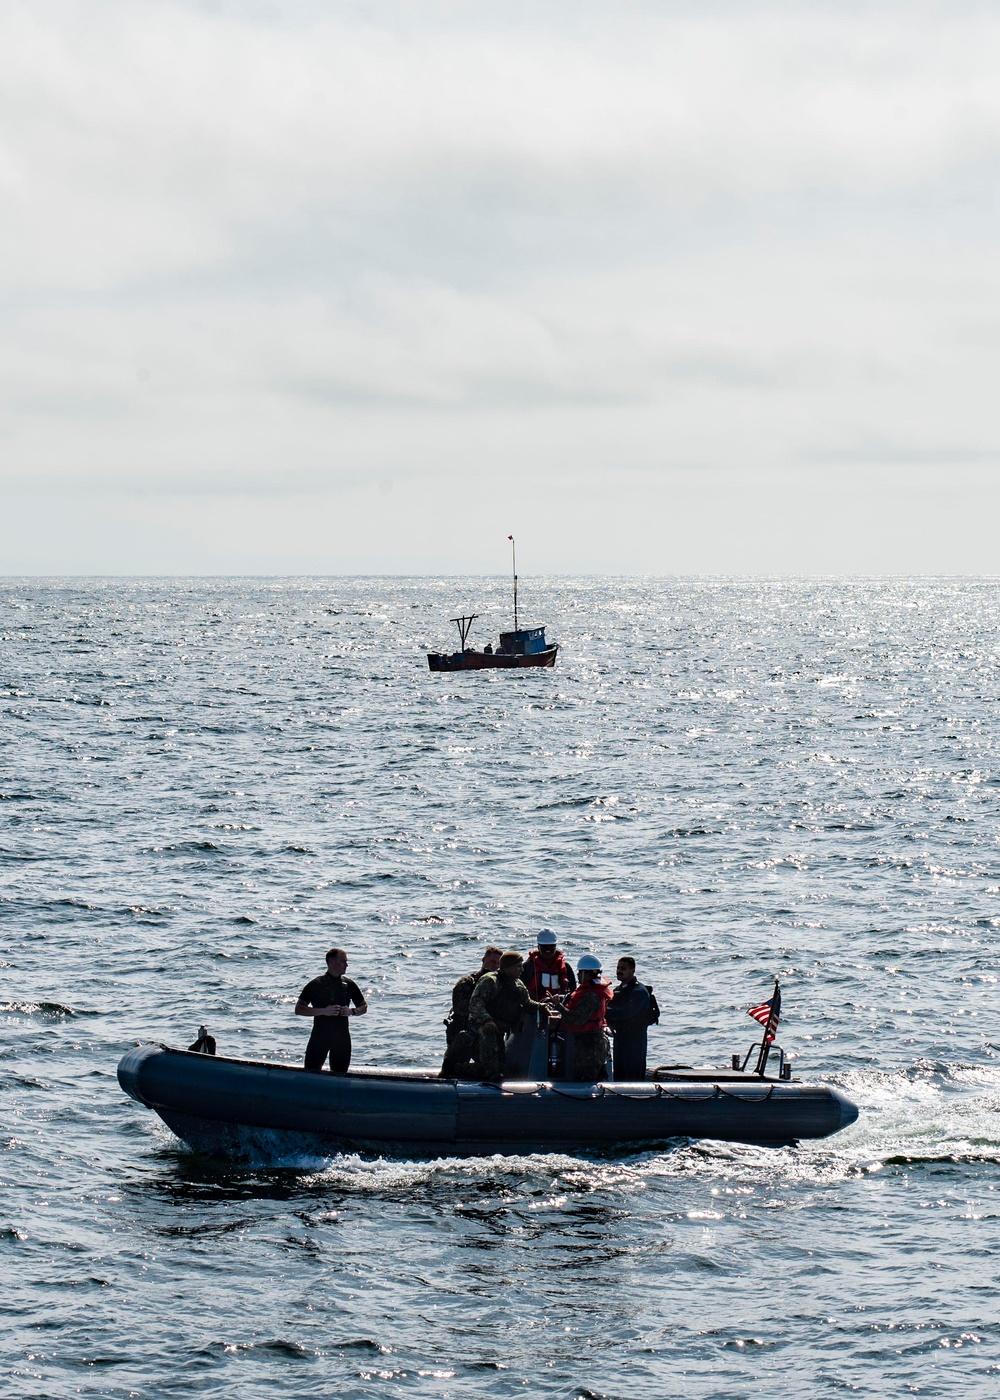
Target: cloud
<point>254,248</point>
<point>144,138</point>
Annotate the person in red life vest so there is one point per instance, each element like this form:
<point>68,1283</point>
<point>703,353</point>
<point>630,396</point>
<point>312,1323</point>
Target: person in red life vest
<point>584,1017</point>
<point>546,973</point>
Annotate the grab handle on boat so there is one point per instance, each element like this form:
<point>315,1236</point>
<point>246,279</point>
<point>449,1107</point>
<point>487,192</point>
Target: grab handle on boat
<point>774,1050</point>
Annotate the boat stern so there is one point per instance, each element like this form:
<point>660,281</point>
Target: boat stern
<point>848,1109</point>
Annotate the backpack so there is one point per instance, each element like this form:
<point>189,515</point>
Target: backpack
<point>653,1014</point>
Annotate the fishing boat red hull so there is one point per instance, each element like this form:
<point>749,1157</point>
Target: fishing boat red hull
<point>489,661</point>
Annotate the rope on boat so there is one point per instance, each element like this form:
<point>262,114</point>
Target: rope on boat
<point>747,1098</point>
<point>687,1098</point>
<point>609,1091</point>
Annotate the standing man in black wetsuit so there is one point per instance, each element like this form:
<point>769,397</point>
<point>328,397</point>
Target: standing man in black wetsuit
<point>330,1000</point>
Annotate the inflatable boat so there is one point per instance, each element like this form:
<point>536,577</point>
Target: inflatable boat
<point>254,1109</point>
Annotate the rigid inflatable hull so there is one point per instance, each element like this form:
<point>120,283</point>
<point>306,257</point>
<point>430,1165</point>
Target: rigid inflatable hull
<point>243,1108</point>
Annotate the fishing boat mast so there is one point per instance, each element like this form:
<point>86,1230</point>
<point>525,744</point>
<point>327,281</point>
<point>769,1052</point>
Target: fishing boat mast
<point>513,564</point>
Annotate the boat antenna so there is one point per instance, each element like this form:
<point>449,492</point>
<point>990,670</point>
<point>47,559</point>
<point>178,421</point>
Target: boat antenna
<point>513,564</point>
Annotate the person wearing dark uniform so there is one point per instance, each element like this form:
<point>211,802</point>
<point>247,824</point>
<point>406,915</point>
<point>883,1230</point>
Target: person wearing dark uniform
<point>330,1000</point>
<point>499,1003</point>
<point>584,1018</point>
<point>461,1040</point>
<point>547,973</point>
<point>628,1020</point>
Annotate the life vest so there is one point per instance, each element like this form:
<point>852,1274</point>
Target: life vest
<point>597,1021</point>
<point>545,977</point>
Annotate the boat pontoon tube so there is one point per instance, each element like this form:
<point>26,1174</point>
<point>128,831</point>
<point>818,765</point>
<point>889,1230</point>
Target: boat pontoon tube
<point>235,1108</point>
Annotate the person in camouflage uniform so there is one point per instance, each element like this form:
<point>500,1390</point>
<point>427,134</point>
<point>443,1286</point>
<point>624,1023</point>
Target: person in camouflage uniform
<point>499,1003</point>
<point>584,1019</point>
<point>461,1040</point>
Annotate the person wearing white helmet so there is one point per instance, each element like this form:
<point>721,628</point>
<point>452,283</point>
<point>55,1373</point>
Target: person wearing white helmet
<point>546,972</point>
<point>584,1016</point>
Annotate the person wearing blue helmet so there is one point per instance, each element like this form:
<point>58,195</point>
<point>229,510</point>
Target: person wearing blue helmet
<point>584,1017</point>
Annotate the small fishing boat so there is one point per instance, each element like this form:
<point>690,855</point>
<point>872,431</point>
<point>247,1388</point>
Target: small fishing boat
<point>253,1109</point>
<point>523,646</point>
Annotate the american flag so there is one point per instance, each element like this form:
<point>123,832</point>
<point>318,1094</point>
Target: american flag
<point>767,1015</point>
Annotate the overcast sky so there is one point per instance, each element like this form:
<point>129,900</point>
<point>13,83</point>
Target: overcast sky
<point>301,287</point>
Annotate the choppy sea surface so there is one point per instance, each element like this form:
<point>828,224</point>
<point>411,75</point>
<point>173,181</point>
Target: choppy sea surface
<point>203,784</point>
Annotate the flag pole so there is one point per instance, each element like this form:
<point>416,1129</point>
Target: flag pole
<point>769,1030</point>
<point>513,564</point>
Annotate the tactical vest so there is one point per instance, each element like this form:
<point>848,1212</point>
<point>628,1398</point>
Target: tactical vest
<point>506,1008</point>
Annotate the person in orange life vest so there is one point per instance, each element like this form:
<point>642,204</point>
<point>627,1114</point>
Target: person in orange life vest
<point>547,973</point>
<point>584,1017</point>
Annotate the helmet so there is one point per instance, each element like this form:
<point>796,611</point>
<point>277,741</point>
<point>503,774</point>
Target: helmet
<point>588,963</point>
<point>546,939</point>
<point>510,961</point>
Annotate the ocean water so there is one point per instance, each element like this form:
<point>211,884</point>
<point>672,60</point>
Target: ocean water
<point>206,783</point>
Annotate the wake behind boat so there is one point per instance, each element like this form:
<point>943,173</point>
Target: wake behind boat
<point>252,1108</point>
